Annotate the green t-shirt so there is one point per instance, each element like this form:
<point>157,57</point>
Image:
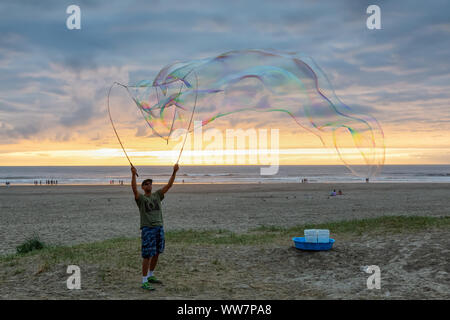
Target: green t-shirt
<point>150,209</point>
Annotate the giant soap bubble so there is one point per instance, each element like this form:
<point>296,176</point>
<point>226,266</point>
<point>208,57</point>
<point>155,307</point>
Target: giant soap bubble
<point>260,82</point>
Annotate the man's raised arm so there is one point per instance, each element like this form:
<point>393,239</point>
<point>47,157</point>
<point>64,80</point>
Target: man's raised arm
<point>133,182</point>
<point>171,180</point>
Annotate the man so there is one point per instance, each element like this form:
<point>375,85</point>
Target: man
<point>152,230</point>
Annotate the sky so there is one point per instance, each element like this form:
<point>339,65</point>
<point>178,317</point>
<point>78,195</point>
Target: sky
<point>54,81</point>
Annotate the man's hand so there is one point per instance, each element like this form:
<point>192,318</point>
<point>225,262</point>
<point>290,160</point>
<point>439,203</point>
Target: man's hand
<point>133,182</point>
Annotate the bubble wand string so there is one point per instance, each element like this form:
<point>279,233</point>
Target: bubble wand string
<point>192,116</point>
<point>114,127</point>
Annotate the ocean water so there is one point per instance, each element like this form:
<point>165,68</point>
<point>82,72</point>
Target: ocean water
<point>94,175</point>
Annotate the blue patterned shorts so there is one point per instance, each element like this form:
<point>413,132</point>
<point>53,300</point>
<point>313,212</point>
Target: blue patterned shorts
<point>152,241</point>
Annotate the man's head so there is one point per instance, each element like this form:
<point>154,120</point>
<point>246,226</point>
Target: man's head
<point>147,185</point>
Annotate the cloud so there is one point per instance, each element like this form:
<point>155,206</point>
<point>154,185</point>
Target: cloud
<point>78,101</point>
<point>56,79</point>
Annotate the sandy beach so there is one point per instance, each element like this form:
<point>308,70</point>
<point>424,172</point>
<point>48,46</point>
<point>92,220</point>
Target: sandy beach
<point>79,214</point>
<point>67,215</point>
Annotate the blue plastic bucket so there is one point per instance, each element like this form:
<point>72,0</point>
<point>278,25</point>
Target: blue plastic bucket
<point>301,244</point>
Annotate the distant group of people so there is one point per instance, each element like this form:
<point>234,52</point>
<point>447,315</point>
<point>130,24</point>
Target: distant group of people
<point>120,182</point>
<point>334,193</point>
<point>47,182</point>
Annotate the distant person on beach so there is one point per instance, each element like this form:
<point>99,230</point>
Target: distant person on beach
<point>152,230</point>
<point>367,180</point>
<point>340,192</point>
<point>333,193</point>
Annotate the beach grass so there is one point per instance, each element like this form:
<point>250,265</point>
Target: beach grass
<point>379,225</point>
<point>125,252</point>
<point>30,244</point>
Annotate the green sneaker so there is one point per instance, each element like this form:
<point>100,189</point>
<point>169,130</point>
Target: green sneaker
<point>147,286</point>
<point>153,279</point>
